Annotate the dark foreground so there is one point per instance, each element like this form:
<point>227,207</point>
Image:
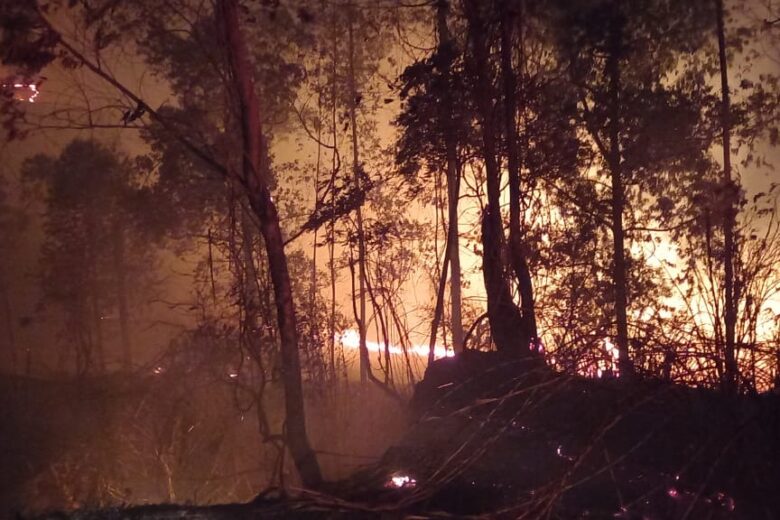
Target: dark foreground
<point>501,437</point>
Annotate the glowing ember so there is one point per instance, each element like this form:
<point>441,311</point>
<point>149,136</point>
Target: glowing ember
<point>401,481</point>
<point>559,451</point>
<point>725,501</point>
<point>23,91</point>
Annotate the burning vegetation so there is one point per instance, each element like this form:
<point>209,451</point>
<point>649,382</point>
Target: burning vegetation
<point>495,258</point>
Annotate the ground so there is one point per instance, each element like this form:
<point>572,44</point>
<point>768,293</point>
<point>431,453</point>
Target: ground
<point>505,437</point>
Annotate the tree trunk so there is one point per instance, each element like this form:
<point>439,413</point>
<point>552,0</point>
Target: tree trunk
<point>453,177</point>
<point>506,324</point>
<point>439,308</point>
<point>332,228</point>
<point>729,214</point>
<point>615,45</point>
<point>255,176</point>
<point>120,267</point>
<point>353,100</point>
<point>518,248</point>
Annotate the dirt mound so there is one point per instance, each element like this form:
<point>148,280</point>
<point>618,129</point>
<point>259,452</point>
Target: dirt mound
<point>496,433</point>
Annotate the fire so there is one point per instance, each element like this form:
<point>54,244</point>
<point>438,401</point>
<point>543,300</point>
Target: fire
<point>400,481</point>
<point>350,339</point>
<point>30,95</point>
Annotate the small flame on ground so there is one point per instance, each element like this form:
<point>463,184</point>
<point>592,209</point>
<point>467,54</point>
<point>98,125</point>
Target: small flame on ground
<point>401,481</point>
<point>32,87</point>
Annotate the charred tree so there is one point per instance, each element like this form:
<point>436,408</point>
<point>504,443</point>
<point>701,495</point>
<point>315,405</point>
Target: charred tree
<point>729,214</point>
<point>614,163</point>
<point>506,321</point>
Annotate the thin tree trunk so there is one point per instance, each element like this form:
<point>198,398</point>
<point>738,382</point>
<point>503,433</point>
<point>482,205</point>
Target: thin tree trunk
<point>353,100</point>
<point>729,213</point>
<point>439,309</point>
<point>614,160</point>
<point>255,177</point>
<point>314,247</point>
<point>120,266</point>
<point>332,230</point>
<point>447,51</point>
<point>517,246</point>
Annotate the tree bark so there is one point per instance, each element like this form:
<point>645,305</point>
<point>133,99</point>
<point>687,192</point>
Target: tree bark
<point>614,160</point>
<point>255,177</point>
<point>730,376</point>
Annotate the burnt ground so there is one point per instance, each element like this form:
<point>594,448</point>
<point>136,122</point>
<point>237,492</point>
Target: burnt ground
<point>496,436</point>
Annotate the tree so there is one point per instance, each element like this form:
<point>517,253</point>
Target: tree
<point>512,15</point>
<point>643,125</point>
<point>506,321</point>
<point>255,177</point>
<point>729,214</point>
<point>92,212</point>
<point>252,177</point>
<point>453,178</point>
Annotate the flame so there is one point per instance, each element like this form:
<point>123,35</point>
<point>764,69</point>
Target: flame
<point>401,481</point>
<point>350,339</point>
<point>31,87</point>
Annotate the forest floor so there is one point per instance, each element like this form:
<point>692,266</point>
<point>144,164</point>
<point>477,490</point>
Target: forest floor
<point>496,436</point>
